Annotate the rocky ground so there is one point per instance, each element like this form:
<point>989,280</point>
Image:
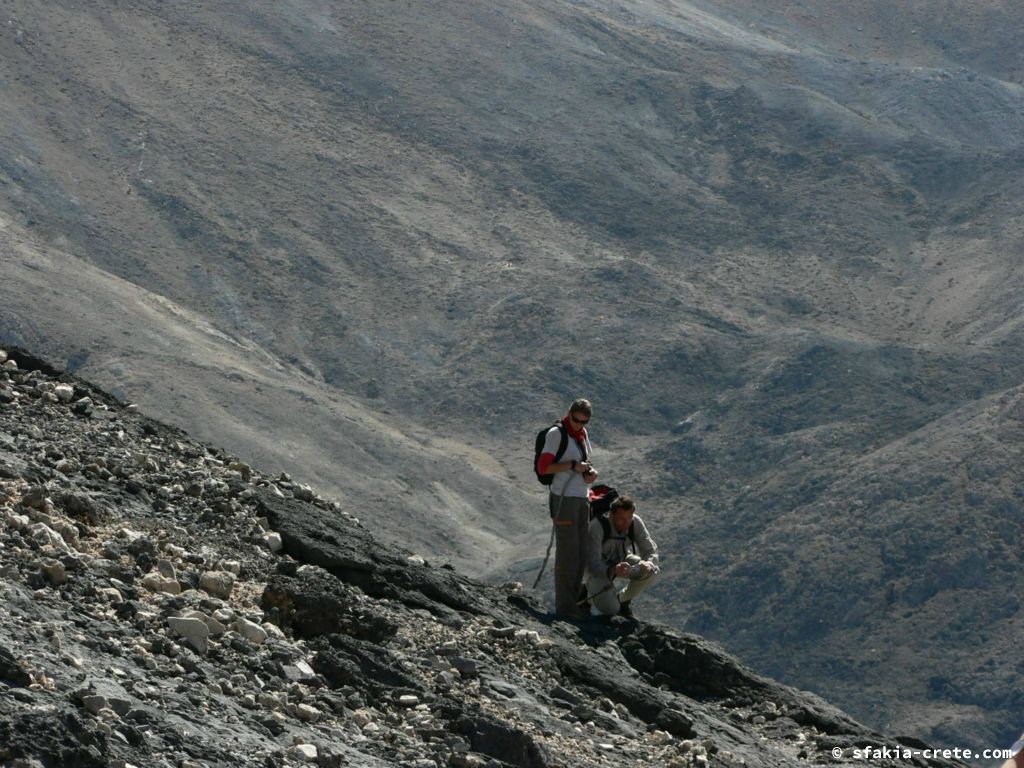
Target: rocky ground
<point>164,604</point>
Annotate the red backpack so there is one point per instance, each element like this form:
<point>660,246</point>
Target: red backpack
<point>601,498</point>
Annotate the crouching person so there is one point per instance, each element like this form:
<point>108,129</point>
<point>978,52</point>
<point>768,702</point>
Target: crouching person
<point>619,547</point>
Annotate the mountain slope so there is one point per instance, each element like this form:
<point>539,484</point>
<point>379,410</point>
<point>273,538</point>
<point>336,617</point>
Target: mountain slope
<point>771,243</point>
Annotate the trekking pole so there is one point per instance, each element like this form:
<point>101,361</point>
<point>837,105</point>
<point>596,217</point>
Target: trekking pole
<point>551,541</point>
<point>547,556</point>
<point>591,597</point>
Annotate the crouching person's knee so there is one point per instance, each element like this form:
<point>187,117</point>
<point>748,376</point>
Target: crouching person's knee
<point>652,578</point>
<point>638,586</point>
<point>603,596</point>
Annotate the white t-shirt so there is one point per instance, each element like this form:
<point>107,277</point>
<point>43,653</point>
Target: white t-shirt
<point>567,483</point>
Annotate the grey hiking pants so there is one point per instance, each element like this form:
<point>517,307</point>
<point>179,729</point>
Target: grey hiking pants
<point>607,597</point>
<point>571,518</point>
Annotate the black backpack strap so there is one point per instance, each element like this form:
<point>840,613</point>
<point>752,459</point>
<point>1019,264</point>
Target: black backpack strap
<point>583,448</point>
<point>606,531</point>
<point>563,441</point>
<point>606,527</point>
<point>582,444</point>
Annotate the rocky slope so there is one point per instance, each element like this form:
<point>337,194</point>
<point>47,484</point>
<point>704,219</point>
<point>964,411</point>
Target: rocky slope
<point>165,604</point>
<point>783,240</point>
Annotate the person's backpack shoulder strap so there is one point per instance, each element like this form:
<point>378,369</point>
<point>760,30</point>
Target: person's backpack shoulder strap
<point>606,531</point>
<point>582,446</point>
<point>563,441</point>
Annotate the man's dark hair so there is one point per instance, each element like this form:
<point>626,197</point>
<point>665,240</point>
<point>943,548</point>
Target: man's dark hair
<point>623,502</point>
<point>582,405</point>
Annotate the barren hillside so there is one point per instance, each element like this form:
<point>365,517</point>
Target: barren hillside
<point>377,245</point>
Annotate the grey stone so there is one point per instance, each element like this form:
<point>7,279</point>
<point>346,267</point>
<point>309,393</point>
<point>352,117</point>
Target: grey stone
<point>67,531</point>
<point>44,535</point>
<point>93,704</point>
<point>466,667</point>
<point>564,694</point>
<point>270,700</point>
<point>34,497</point>
<point>16,522</point>
<point>195,632</point>
<point>241,468</point>
<point>251,631</point>
<point>111,595</point>
<point>120,705</point>
<point>216,628</point>
<point>298,672</point>
<point>306,753</point>
<point>361,718</point>
<point>54,572</point>
<point>584,711</point>
<point>504,688</point>
<point>445,679</point>
<point>142,545</point>
<point>157,583</point>
<point>465,761</point>
<point>217,583</point>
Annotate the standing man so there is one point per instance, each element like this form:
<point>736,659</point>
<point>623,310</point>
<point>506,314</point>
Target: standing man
<point>568,503</point>
<point>611,537</point>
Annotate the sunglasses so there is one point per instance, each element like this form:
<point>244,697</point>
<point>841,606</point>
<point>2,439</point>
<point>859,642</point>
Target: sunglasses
<point>581,422</point>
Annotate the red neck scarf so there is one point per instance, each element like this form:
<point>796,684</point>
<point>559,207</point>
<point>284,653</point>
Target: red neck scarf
<point>579,435</point>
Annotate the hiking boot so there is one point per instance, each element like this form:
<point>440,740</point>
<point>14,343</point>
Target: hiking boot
<point>580,613</point>
<point>625,611</point>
